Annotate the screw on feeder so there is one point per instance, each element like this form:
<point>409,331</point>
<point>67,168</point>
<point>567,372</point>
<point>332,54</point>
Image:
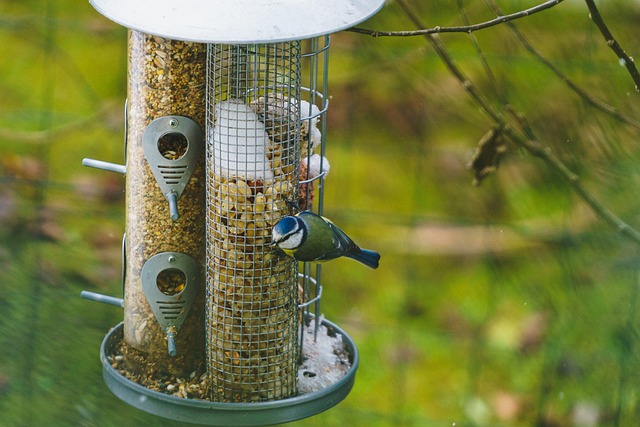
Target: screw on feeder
<point>171,342</point>
<point>172,198</point>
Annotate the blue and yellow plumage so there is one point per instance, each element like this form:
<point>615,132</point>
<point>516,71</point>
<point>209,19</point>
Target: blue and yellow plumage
<point>310,237</point>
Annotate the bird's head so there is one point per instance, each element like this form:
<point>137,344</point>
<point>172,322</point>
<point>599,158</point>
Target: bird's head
<point>289,233</point>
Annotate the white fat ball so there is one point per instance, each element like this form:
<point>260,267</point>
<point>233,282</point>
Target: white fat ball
<point>316,164</point>
<point>240,142</point>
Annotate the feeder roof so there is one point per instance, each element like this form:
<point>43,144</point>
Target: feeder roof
<point>237,21</point>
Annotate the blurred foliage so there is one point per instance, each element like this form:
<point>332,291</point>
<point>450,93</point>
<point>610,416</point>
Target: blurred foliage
<point>507,304</point>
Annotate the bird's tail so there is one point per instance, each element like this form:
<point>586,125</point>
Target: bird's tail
<point>369,258</point>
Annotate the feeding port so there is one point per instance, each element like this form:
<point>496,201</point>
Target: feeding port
<point>224,137</point>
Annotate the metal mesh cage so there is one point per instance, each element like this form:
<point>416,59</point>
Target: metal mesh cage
<point>262,124</point>
<point>255,138</point>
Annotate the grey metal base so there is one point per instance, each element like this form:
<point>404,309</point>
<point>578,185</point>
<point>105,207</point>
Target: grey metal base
<point>226,414</point>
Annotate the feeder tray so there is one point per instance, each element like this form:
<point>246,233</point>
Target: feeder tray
<point>220,413</point>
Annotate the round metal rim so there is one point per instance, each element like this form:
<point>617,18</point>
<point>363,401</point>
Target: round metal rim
<point>220,413</point>
<point>238,21</point>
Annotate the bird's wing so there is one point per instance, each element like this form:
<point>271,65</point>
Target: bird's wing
<point>344,244</point>
<point>340,245</point>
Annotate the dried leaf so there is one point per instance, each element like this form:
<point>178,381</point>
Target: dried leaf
<point>488,154</point>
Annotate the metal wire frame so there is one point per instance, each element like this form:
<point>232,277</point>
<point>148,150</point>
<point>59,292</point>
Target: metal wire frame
<point>317,89</point>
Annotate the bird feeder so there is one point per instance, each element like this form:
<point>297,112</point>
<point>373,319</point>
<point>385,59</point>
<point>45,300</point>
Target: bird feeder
<point>225,128</point>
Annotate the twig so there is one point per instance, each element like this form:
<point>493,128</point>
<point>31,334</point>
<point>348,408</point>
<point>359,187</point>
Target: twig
<point>444,55</point>
<point>481,55</point>
<point>625,59</point>
<point>525,138</point>
<point>459,29</point>
<point>594,102</point>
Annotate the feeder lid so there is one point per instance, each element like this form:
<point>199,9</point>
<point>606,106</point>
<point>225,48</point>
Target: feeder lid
<point>238,21</point>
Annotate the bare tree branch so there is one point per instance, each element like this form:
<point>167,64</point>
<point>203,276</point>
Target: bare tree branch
<point>481,55</point>
<point>625,59</point>
<point>459,29</point>
<point>524,136</point>
<point>594,102</point>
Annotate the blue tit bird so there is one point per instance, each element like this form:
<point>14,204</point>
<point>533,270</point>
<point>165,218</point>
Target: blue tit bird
<point>310,237</point>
